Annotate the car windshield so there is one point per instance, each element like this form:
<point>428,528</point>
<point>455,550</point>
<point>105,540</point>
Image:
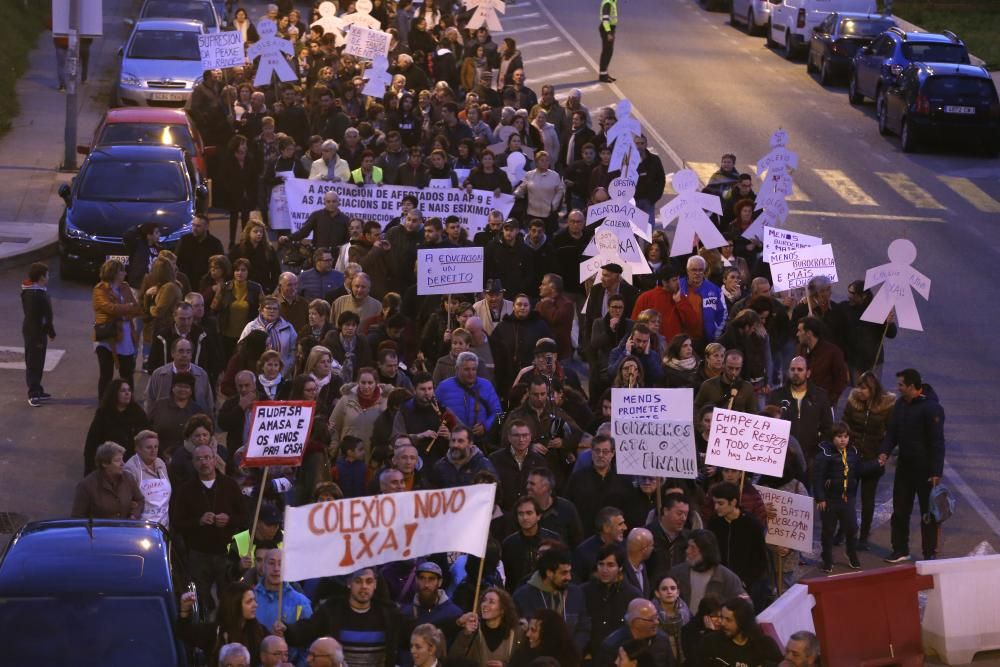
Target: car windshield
<point>146,133</point>
<point>863,27</point>
<point>165,45</point>
<point>75,631</point>
<point>935,52</point>
<point>951,86</point>
<point>108,180</point>
<point>179,9</point>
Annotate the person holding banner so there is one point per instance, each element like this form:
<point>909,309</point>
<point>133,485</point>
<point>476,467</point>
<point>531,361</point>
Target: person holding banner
<point>491,636</point>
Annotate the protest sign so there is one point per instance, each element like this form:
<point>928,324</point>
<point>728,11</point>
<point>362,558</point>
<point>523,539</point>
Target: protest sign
<point>777,242</point>
<point>798,267</point>
<point>220,50</point>
<point>688,208</point>
<point>341,536</point>
<point>366,43</point>
<point>752,443</point>
<point>278,432</point>
<point>271,50</point>
<point>653,432</point>
<point>277,207</point>
<point>897,278</point>
<point>792,528</point>
<point>449,270</point>
<point>381,203</point>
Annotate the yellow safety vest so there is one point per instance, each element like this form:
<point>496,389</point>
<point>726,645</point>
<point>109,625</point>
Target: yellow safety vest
<point>609,14</point>
<point>242,541</point>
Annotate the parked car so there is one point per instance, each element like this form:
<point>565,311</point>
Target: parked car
<point>119,188</point>
<point>151,125</point>
<point>196,10</point>
<point>792,21</point>
<point>753,14</point>
<point>880,64</point>
<point>941,100</point>
<point>79,592</point>
<point>160,63</point>
<point>836,40</point>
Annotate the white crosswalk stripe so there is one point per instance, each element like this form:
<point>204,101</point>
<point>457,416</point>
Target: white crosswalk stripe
<point>530,28</point>
<point>553,56</point>
<point>538,42</point>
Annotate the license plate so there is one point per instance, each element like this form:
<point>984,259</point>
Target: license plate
<point>166,97</point>
<point>118,258</point>
<point>965,110</point>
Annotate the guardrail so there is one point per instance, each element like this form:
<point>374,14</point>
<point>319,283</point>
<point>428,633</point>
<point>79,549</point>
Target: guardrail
<point>962,616</point>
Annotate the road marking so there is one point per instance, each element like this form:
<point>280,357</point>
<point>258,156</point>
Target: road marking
<point>540,42</point>
<point>551,56</point>
<point>797,194</point>
<point>704,170</point>
<point>650,130</point>
<point>563,74</point>
<point>52,358</point>
<point>971,193</point>
<point>529,15</point>
<point>868,216</point>
<point>909,190</point>
<point>583,89</point>
<point>530,28</point>
<point>847,189</point>
<point>975,502</point>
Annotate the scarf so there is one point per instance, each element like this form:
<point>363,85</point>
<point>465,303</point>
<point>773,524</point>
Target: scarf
<point>270,386</point>
<point>366,403</point>
<point>273,339</point>
<point>686,365</point>
<point>730,296</point>
<point>321,382</point>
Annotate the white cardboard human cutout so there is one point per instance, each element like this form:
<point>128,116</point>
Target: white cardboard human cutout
<point>485,13</point>
<point>362,16</point>
<point>515,168</point>
<point>621,138</point>
<point>271,50</point>
<point>779,160</point>
<point>689,207</point>
<point>621,208</point>
<point>377,77</point>
<point>611,245</point>
<point>897,278</point>
<point>330,22</point>
<point>775,212</point>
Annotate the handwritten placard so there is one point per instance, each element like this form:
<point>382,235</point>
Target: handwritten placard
<point>779,242</point>
<point>800,266</point>
<point>220,50</point>
<point>278,433</point>
<point>653,432</point>
<point>753,443</point>
<point>792,525</point>
<point>450,270</point>
<point>366,43</point>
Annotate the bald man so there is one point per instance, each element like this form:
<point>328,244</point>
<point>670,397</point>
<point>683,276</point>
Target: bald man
<point>274,652</point>
<point>638,549</point>
<point>641,625</point>
<point>325,652</point>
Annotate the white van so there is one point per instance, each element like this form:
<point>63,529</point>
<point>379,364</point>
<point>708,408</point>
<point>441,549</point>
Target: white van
<point>753,14</point>
<point>792,21</point>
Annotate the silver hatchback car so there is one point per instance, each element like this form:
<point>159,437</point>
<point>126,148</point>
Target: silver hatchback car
<point>160,63</point>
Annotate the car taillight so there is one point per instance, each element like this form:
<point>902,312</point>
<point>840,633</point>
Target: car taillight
<point>838,48</point>
<point>923,104</point>
<point>800,21</point>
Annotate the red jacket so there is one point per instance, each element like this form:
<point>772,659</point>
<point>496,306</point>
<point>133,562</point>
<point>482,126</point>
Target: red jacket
<point>558,313</point>
<point>675,316</point>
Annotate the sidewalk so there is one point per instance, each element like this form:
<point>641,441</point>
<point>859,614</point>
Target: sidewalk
<point>32,152</point>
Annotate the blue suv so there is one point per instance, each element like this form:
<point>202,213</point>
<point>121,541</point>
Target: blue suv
<point>877,67</point>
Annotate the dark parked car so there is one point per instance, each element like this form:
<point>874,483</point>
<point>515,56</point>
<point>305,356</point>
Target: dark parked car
<point>875,67</point>
<point>838,38</point>
<point>941,100</point>
<point>119,188</point>
<point>79,592</point>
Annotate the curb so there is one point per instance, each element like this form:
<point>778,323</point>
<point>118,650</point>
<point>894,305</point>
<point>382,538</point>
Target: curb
<point>35,254</point>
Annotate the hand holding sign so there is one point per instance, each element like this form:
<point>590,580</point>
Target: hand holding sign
<point>278,433</point>
<point>653,432</point>
<point>752,443</point>
<point>897,279</point>
<point>688,208</point>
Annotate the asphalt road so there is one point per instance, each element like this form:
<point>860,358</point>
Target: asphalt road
<point>701,88</point>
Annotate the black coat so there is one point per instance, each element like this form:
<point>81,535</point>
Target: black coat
<point>566,253</point>
<point>607,605</point>
<point>811,421</point>
<point>264,265</point>
<point>513,346</point>
<point>513,265</point>
<point>113,426</point>
<point>917,428</point>
<point>236,186</point>
<point>328,619</point>
<point>193,253</point>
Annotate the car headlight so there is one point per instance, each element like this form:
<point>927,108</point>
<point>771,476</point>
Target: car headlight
<point>74,232</point>
<point>176,236</point>
<point>129,79</point>
<point>197,82</point>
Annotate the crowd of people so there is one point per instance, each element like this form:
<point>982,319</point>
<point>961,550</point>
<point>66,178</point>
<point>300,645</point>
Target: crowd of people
<point>508,386</point>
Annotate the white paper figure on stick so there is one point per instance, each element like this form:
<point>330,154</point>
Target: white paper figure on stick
<point>362,16</point>
<point>271,50</point>
<point>621,209</point>
<point>775,169</point>
<point>689,207</point>
<point>515,168</point>
<point>622,136</point>
<point>377,77</point>
<point>330,22</point>
<point>485,13</point>
<point>897,278</point>
<point>775,212</point>
<point>611,246</point>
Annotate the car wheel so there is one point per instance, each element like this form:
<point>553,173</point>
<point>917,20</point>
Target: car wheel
<point>767,38</point>
<point>853,96</point>
<point>789,50</point>
<point>732,15</point>
<point>751,28</point>
<point>908,137</point>
<point>809,62</point>
<point>882,115</point>
<point>825,75</point>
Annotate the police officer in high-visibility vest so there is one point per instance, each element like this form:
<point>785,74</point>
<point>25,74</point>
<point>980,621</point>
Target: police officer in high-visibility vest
<point>609,19</point>
<point>268,536</point>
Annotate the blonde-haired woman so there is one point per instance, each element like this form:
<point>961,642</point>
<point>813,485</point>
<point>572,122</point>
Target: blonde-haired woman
<point>116,338</point>
<point>325,371</point>
<point>427,645</point>
<point>160,294</point>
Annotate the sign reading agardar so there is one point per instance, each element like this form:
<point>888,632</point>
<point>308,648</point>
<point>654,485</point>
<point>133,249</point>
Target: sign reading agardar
<point>747,442</point>
<point>341,536</point>
<point>278,433</point>
<point>653,432</point>
<point>449,270</point>
<point>792,527</point>
<point>221,49</point>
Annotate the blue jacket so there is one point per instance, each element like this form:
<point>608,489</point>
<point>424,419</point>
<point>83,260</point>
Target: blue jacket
<point>536,594</point>
<point>445,475</point>
<point>828,472</point>
<point>294,605</point>
<point>917,428</point>
<point>469,409</point>
<point>315,285</point>
<point>652,364</point>
<point>713,308</point>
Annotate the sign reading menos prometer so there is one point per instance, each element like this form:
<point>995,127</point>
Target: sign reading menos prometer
<point>450,270</point>
<point>278,432</point>
<point>752,443</point>
<point>653,432</point>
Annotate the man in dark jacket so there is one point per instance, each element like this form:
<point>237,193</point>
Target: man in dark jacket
<point>916,427</point>
<point>567,247</point>
<point>863,341</point>
<point>404,239</point>
<point>520,550</point>
<point>463,461</point>
<point>37,330</point>
<point>610,284</point>
<point>607,595</point>
<point>806,406</point>
<point>513,463</point>
<point>183,327</point>
<point>652,180</point>
<point>328,225</point>
<point>642,627</point>
<point>510,260</point>
<point>513,342</point>
<point>195,248</point>
<point>552,587</point>
<point>597,485</point>
<point>741,540</point>
<point>431,603</point>
<point>574,139</point>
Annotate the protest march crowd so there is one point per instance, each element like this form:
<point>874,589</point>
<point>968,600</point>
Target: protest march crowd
<point>510,384</point>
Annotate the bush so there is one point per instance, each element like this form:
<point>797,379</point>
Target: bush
<point>976,22</point>
<point>22,22</point>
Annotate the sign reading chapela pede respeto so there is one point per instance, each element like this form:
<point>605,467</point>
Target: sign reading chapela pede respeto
<point>220,50</point>
<point>798,267</point>
<point>653,431</point>
<point>449,270</point>
<point>341,536</point>
<point>278,433</point>
<point>792,526</point>
<point>747,442</point>
<point>381,202</point>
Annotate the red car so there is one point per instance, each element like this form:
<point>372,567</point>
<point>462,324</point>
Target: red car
<point>151,125</point>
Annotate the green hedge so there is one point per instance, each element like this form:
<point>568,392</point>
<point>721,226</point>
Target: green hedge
<point>20,25</point>
<point>976,22</point>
